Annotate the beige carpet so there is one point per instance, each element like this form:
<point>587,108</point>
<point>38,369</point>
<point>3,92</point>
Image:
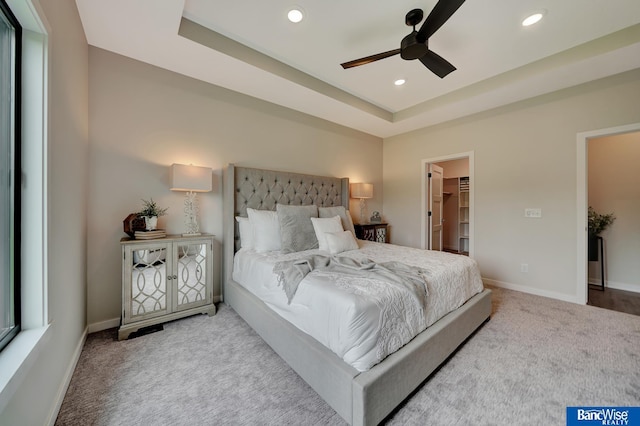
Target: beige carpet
<point>524,367</point>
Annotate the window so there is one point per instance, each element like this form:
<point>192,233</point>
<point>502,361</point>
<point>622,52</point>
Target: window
<point>10,60</point>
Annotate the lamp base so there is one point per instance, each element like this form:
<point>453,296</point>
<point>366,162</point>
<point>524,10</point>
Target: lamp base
<point>191,214</point>
<point>363,210</point>
<point>193,234</point>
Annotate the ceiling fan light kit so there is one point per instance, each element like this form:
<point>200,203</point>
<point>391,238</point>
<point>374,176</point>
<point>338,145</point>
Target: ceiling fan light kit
<point>416,44</point>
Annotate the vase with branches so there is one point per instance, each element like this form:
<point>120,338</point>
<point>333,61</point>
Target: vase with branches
<point>598,223</point>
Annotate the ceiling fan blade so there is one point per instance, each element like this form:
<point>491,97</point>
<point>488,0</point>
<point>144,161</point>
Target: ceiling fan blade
<point>436,63</point>
<point>369,59</point>
<point>440,14</point>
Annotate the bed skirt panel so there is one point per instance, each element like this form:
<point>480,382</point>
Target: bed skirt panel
<point>324,371</point>
<point>377,392</point>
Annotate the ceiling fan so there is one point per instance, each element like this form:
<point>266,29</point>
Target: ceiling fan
<point>416,44</point>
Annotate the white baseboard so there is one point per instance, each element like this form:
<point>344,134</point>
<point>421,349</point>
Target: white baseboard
<point>64,386</point>
<point>635,288</point>
<point>103,325</point>
<point>532,290</point>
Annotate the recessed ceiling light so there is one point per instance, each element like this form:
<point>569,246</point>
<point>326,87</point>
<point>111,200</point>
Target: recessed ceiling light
<point>399,82</point>
<point>532,19</point>
<point>295,15</point>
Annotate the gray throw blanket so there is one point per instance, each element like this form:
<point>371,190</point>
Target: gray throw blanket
<point>291,272</point>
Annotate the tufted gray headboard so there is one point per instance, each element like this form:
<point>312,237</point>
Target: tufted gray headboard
<point>263,189</point>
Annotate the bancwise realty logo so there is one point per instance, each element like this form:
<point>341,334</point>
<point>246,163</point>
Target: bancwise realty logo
<point>619,416</point>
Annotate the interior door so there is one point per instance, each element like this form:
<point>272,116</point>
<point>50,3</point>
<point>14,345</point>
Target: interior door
<point>434,212</point>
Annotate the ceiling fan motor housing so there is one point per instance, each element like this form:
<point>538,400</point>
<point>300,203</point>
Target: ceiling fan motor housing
<point>411,48</point>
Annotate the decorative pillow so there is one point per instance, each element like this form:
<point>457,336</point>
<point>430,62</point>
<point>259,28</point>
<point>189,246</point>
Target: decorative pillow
<point>324,225</point>
<point>246,232</point>
<point>341,241</point>
<point>345,216</point>
<point>296,229</point>
<point>266,230</point>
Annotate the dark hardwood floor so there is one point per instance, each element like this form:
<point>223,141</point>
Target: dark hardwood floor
<point>615,300</point>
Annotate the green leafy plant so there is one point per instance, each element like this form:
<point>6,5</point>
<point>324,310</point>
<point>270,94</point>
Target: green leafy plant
<point>599,222</point>
<point>150,208</point>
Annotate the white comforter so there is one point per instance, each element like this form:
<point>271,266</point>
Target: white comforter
<point>362,320</point>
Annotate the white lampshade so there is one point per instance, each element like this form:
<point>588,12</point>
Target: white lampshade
<point>361,190</point>
<point>190,178</point>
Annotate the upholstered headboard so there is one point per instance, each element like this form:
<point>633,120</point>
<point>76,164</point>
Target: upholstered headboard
<point>263,189</point>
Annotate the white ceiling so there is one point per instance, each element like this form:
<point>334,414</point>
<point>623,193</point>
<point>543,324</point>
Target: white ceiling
<point>250,47</point>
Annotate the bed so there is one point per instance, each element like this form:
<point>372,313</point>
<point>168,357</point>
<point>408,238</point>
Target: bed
<point>361,394</point>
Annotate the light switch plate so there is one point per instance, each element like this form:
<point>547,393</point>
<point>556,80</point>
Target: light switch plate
<point>533,213</point>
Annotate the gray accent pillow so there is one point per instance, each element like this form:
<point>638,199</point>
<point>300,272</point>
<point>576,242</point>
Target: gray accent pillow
<point>296,229</point>
<point>345,216</point>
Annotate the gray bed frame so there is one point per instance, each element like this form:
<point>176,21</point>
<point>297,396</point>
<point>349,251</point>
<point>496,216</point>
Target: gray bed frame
<point>361,398</point>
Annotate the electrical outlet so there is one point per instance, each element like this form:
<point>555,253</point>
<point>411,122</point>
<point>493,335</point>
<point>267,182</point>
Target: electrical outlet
<point>524,267</point>
<point>533,213</point>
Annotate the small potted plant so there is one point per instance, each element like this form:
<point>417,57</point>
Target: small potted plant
<point>597,224</point>
<point>151,212</point>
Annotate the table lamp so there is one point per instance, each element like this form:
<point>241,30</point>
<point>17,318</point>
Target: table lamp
<point>362,191</point>
<point>190,179</point>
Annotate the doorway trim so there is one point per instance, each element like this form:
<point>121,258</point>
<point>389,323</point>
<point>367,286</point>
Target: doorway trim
<point>582,201</point>
<point>423,212</point>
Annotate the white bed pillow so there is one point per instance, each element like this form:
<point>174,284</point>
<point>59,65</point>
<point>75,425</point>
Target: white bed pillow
<point>341,241</point>
<point>347,222</point>
<point>246,232</point>
<point>266,230</point>
<point>323,225</point>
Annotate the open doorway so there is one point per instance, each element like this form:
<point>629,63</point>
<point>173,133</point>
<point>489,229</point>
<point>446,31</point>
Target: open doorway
<point>447,203</point>
<point>604,186</point>
<point>613,191</point>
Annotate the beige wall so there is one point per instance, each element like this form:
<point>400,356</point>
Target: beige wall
<point>35,401</point>
<point>614,187</point>
<point>525,156</point>
<point>455,168</point>
<point>143,118</point>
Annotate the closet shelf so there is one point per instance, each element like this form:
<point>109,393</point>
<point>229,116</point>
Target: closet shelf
<point>456,214</point>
